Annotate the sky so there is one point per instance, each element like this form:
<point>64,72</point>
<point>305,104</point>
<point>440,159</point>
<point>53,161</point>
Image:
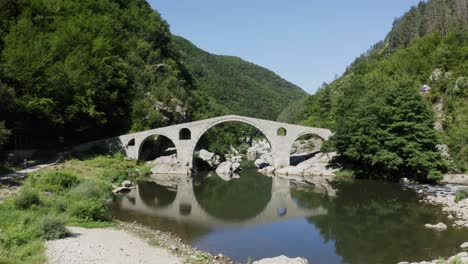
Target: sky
<point>307,42</point>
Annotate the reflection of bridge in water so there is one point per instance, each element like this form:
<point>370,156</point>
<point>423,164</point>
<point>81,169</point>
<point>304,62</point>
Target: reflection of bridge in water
<point>186,208</point>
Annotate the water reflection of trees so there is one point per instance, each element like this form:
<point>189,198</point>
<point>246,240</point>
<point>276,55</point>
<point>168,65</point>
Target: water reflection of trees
<point>305,196</point>
<point>374,222</point>
<point>239,199</point>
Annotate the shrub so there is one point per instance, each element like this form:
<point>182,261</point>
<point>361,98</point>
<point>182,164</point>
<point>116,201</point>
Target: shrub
<point>52,227</point>
<point>57,181</point>
<point>115,176</point>
<point>434,175</point>
<point>26,198</point>
<point>461,195</point>
<point>88,210</point>
<point>91,189</point>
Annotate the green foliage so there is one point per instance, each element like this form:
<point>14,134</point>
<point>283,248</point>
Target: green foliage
<point>4,133</point>
<point>80,67</point>
<point>93,69</point>
<point>52,227</point>
<point>26,198</point>
<point>57,181</point>
<point>381,123</point>
<point>238,86</point>
<point>88,210</point>
<point>461,195</point>
<point>81,199</point>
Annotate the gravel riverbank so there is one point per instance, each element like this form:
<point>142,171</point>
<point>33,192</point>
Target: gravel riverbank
<point>129,243</point>
<point>444,195</point>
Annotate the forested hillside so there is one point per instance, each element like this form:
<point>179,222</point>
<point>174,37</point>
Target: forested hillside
<point>382,121</point>
<point>83,70</point>
<point>244,88</point>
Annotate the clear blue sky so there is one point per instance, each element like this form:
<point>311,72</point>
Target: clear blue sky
<point>307,42</point>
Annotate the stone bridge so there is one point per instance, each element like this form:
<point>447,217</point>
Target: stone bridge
<point>186,208</point>
<point>185,137</point>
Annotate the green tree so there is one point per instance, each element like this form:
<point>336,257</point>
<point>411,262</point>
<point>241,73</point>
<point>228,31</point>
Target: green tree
<point>4,133</point>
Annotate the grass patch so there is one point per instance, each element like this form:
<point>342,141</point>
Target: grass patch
<point>461,195</point>
<point>76,192</point>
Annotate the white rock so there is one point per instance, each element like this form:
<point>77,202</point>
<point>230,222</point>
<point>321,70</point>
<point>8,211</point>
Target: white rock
<point>121,190</point>
<point>438,227</point>
<point>209,157</point>
<point>464,245</point>
<point>127,183</point>
<point>227,168</point>
<point>281,260</point>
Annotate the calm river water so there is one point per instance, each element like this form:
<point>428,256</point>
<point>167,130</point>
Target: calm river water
<point>258,216</point>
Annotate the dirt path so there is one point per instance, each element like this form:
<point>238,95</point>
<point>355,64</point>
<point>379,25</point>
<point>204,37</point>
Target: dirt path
<point>105,246</point>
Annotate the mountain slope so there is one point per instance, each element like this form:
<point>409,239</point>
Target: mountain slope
<point>379,129</point>
<point>243,87</point>
<point>82,70</point>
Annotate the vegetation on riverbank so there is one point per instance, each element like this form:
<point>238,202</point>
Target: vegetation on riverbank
<point>383,123</point>
<point>75,192</point>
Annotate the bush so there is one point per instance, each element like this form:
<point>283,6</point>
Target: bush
<point>91,189</point>
<point>88,210</point>
<point>461,195</point>
<point>57,181</point>
<point>52,227</point>
<point>115,176</point>
<point>26,198</point>
<point>435,175</point>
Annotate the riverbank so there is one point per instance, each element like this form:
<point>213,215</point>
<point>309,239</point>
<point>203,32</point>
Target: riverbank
<point>123,244</point>
<point>446,195</point>
<point>35,209</point>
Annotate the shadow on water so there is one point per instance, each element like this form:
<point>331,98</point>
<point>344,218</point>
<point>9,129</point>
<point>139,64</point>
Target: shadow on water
<point>257,216</point>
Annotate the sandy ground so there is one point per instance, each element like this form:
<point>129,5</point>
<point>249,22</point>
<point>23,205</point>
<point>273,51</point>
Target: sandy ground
<point>105,246</point>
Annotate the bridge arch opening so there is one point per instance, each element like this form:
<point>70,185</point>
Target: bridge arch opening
<point>185,134</point>
<point>230,140</point>
<point>131,142</point>
<point>156,146</point>
<point>281,132</point>
<point>306,146</point>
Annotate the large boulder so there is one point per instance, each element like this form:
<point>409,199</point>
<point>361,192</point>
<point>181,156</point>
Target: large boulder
<point>281,260</point>
<point>228,170</point>
<point>318,165</point>
<point>228,167</point>
<point>258,148</point>
<point>209,157</point>
<point>263,161</point>
<point>167,165</point>
<point>307,146</point>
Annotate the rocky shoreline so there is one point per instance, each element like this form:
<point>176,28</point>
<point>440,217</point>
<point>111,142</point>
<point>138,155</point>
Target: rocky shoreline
<point>444,195</point>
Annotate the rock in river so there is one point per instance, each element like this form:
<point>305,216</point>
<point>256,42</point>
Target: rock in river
<point>438,227</point>
<point>281,260</point>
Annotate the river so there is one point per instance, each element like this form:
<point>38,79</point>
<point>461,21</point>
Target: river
<point>257,216</point>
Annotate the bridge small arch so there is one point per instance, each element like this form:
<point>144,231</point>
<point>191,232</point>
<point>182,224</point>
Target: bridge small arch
<point>281,132</point>
<point>131,142</point>
<point>185,134</point>
<point>160,145</point>
<point>305,146</point>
